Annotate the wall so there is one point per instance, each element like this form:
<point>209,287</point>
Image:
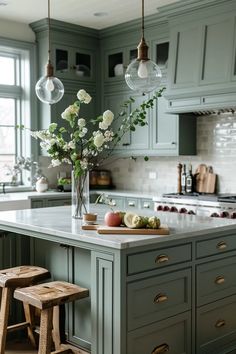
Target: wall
<point>16,30</point>
<point>216,146</point>
<point>52,172</point>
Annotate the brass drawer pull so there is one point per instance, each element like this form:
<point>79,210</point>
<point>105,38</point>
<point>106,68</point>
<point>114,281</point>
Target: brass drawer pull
<point>220,323</point>
<point>160,298</point>
<point>162,258</point>
<point>131,203</point>
<point>146,205</point>
<point>163,348</point>
<point>219,280</point>
<point>221,245</point>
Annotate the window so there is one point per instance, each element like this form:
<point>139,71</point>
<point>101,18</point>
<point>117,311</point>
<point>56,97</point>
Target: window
<point>16,105</point>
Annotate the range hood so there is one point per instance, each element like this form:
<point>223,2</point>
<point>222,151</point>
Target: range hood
<point>201,104</point>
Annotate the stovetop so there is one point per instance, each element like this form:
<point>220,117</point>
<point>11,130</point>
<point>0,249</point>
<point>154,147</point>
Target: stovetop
<point>224,197</point>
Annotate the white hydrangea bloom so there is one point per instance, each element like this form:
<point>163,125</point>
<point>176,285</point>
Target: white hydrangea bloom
<point>69,112</point>
<point>81,122</point>
<point>83,96</point>
<point>108,117</point>
<point>103,125</point>
<point>98,139</point>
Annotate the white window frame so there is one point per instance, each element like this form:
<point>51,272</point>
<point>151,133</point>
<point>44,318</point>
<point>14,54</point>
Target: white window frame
<point>24,93</point>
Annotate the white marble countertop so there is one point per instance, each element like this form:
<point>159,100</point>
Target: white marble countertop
<point>32,194</point>
<point>56,224</point>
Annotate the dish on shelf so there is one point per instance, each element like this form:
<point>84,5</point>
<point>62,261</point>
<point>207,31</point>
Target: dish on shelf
<point>82,70</point>
<point>119,70</point>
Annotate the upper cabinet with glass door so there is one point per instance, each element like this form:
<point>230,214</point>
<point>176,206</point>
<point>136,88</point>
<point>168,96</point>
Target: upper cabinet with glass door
<point>73,63</point>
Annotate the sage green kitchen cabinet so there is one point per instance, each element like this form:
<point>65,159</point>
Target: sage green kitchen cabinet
<point>172,134</point>
<point>202,57</point>
<point>74,55</point>
<point>50,202</point>
<point>73,63</point>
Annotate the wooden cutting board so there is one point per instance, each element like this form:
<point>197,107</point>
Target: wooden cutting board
<point>102,229</point>
<point>205,179</point>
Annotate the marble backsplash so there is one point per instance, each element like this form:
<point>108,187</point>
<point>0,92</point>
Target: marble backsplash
<point>216,146</point>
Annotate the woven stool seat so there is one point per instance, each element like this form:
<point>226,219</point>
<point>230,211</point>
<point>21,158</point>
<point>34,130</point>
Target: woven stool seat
<point>47,297</point>
<point>10,279</point>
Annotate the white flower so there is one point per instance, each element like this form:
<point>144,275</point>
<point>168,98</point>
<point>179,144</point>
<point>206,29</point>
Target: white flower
<point>84,164</point>
<point>108,117</point>
<point>71,145</point>
<point>55,163</point>
<point>98,139</point>
<point>108,135</point>
<point>83,96</point>
<point>52,141</point>
<point>70,112</point>
<point>103,125</point>
<point>81,122</point>
<point>83,132</point>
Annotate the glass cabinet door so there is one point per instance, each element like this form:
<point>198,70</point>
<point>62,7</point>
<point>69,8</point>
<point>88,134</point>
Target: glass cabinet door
<point>71,63</point>
<point>115,65</point>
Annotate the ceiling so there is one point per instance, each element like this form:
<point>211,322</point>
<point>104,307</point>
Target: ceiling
<point>79,12</point>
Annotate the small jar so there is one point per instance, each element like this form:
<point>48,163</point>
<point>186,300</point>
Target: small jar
<point>41,185</point>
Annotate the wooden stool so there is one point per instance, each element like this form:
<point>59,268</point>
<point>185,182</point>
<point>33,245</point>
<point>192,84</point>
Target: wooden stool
<point>47,297</point>
<point>10,279</point>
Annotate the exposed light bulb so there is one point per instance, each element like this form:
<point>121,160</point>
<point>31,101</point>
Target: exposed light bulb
<point>49,84</point>
<point>142,69</point>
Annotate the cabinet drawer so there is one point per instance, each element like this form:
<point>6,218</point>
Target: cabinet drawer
<point>147,204</point>
<point>216,327</point>
<point>217,246</point>
<point>172,335</point>
<point>159,297</point>
<point>132,203</point>
<point>158,258</point>
<point>216,280</point>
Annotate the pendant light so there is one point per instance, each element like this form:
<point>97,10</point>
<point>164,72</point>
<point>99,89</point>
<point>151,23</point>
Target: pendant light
<point>49,89</point>
<point>142,74</point>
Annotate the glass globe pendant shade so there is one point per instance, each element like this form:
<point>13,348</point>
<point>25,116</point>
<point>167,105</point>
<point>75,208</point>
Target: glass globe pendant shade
<point>143,76</point>
<point>49,89</point>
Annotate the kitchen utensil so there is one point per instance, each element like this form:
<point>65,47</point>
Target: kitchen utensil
<point>102,229</point>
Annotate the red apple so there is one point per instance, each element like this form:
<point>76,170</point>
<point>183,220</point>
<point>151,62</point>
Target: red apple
<point>113,218</point>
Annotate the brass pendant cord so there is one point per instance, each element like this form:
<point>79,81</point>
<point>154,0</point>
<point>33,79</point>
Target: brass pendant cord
<point>49,65</point>
<point>142,47</point>
<point>142,18</point>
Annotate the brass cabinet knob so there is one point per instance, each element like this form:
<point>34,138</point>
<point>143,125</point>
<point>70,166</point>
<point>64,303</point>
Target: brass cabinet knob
<point>219,280</point>
<point>220,323</point>
<point>163,348</point>
<point>162,258</point>
<point>221,245</point>
<point>160,298</point>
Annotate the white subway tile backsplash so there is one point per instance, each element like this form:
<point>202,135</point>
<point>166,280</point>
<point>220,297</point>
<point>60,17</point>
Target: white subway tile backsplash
<point>216,146</point>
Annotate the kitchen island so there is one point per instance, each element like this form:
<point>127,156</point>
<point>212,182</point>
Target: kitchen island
<point>148,294</point>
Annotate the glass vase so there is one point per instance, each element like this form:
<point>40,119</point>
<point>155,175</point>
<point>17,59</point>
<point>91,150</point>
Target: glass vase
<point>80,195</point>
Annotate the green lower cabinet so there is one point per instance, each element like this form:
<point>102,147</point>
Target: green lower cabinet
<point>50,202</point>
<point>216,327</point>
<point>80,311</point>
<point>172,335</point>
<point>155,298</point>
<point>102,306</point>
